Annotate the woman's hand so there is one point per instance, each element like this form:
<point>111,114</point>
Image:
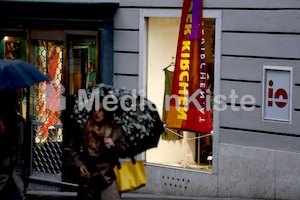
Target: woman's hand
<point>108,142</point>
<point>84,171</point>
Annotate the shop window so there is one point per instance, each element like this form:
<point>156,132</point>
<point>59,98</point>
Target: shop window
<point>176,147</point>
<point>47,97</point>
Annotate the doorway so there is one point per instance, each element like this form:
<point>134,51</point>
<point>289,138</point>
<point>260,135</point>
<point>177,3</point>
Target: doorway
<point>70,65</point>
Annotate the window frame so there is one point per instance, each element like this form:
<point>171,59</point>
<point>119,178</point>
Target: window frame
<point>142,81</point>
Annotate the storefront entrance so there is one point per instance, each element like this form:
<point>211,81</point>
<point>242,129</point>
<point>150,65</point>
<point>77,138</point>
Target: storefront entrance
<point>70,50</point>
<point>70,65</point>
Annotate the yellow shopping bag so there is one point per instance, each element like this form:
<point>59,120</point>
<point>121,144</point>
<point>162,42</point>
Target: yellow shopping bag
<point>131,175</point>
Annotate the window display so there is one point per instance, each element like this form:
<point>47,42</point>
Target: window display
<point>176,147</point>
<point>48,95</point>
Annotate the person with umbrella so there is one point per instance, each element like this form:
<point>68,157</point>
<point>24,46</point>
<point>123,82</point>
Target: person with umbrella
<point>12,148</point>
<point>14,74</point>
<point>102,143</point>
<point>136,114</point>
<point>133,127</point>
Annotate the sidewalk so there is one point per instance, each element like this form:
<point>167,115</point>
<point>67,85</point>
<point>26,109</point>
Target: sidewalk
<point>51,195</point>
<point>132,196</point>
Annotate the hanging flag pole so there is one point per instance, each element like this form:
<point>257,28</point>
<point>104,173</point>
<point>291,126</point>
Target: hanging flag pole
<point>189,100</point>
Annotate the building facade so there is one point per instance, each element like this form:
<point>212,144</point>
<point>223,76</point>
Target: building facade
<point>255,59</point>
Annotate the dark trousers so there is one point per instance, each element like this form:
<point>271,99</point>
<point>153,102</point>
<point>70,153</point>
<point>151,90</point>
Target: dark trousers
<point>10,191</point>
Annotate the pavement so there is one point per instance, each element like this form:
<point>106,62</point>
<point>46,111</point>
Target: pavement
<point>52,195</point>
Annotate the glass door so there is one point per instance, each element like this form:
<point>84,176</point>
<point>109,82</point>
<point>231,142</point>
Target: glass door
<point>81,62</point>
<point>81,73</point>
<point>46,102</point>
<point>69,61</point>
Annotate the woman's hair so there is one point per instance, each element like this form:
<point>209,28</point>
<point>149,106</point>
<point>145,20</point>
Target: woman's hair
<point>108,115</point>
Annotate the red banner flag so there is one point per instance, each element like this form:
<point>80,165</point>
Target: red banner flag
<point>189,100</point>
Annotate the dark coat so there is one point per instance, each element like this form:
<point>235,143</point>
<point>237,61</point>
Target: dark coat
<point>101,166</point>
<point>11,155</point>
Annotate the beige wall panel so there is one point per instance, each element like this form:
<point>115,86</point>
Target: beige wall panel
<point>216,3</point>
<point>296,73</point>
<point>260,140</point>
<point>261,45</point>
<point>251,4</point>
<point>241,68</point>
<point>251,69</point>
<point>130,82</point>
<point>152,3</point>
<point>252,120</point>
<point>127,18</point>
<point>246,172</point>
<point>126,41</point>
<point>242,90</point>
<point>180,182</point>
<point>296,95</point>
<point>261,20</point>
<point>241,119</point>
<point>286,172</point>
<point>126,63</point>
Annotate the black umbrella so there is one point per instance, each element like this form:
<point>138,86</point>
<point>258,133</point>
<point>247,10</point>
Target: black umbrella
<point>19,74</point>
<point>137,115</point>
